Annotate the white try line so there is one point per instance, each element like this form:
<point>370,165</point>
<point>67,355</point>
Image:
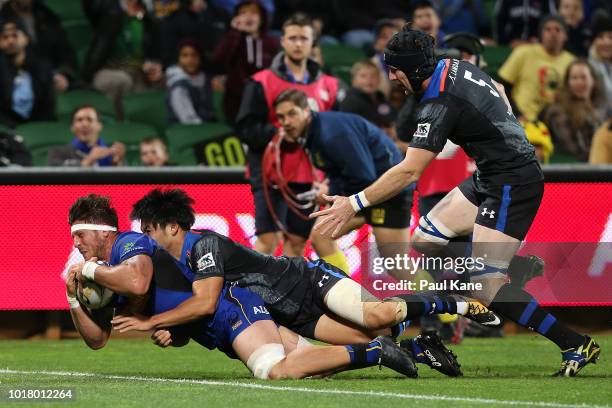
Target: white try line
<point>303,389</point>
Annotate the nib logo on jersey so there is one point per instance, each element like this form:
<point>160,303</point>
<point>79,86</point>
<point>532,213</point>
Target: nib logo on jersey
<point>422,130</point>
<point>205,262</point>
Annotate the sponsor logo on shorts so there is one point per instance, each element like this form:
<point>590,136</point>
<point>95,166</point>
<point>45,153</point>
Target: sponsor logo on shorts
<point>260,309</point>
<point>484,213</point>
<point>422,130</point>
<point>237,325</point>
<point>378,215</point>
<point>205,262</point>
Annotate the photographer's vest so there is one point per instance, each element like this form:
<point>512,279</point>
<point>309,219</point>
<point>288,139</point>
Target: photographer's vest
<point>321,94</point>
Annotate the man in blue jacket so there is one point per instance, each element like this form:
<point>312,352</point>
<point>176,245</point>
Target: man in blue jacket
<point>353,153</point>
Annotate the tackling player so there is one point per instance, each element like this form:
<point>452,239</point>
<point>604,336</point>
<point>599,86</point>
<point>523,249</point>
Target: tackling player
<point>239,324</point>
<point>498,204</point>
<point>314,299</point>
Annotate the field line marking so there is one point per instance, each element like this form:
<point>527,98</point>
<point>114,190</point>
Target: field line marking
<point>304,389</point>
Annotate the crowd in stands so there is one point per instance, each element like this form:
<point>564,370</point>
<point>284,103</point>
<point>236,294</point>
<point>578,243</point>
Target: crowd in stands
<point>100,67</point>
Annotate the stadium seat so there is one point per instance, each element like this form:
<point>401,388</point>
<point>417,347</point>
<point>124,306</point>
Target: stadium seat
<point>495,58</point>
<point>337,55</point>
<point>147,107</point>
<point>68,101</point>
<point>561,158</point>
<point>40,136</point>
<point>67,10</point>
<point>343,73</point>
<point>181,139</point>
<point>130,134</point>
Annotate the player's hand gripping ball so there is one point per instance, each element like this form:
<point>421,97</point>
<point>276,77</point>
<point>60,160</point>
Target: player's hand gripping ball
<point>94,295</point>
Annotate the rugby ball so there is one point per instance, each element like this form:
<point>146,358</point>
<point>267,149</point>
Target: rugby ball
<point>94,295</point>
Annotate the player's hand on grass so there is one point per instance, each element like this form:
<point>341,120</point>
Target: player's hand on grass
<point>162,338</point>
<point>129,323</point>
<point>333,218</point>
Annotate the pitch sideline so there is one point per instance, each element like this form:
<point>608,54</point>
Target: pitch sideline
<point>303,389</point>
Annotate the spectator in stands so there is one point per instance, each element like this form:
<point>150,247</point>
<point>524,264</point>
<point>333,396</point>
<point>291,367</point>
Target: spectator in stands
<point>518,21</point>
<point>230,5</point>
<point>256,124</point>
<point>539,136</point>
<point>195,19</point>
<point>425,18</point>
<point>48,39</point>
<point>245,49</point>
<point>190,99</point>
<point>27,92</point>
<point>577,112</point>
<point>601,149</point>
<point>357,18</point>
<point>534,72</point>
<point>383,31</point>
<point>153,152</point>
<point>87,147</point>
<point>578,33</point>
<point>366,100</point>
<point>124,55</point>
<point>600,55</point>
<point>464,16</point>
<point>164,8</point>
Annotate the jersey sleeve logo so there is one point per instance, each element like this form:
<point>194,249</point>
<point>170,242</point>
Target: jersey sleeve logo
<point>422,130</point>
<point>205,262</point>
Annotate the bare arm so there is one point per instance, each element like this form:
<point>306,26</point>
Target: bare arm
<point>130,278</point>
<point>388,185</point>
<point>202,303</point>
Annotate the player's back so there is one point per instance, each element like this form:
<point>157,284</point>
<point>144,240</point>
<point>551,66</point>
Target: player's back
<point>463,104</point>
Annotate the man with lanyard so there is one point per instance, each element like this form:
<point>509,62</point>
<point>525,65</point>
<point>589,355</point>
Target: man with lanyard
<point>256,124</point>
<point>238,323</point>
<point>498,204</point>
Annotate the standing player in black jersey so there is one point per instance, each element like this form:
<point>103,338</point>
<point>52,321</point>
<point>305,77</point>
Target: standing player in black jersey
<point>498,204</point>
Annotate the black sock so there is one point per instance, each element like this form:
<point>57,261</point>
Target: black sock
<point>519,306</point>
<point>424,305</point>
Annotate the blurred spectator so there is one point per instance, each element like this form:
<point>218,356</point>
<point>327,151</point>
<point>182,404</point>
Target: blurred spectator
<point>195,19</point>
<point>366,100</point>
<point>600,55</point>
<point>578,33</point>
<point>153,152</point>
<point>534,72</point>
<point>465,46</point>
<point>12,151</point>
<point>539,136</point>
<point>357,18</point>
<point>27,92</point>
<point>383,31</point>
<point>463,16</point>
<point>164,8</point>
<point>48,39</point>
<point>518,21</point>
<point>256,124</point>
<point>87,147</point>
<point>245,49</point>
<point>190,99</point>
<point>601,149</point>
<point>577,112</point>
<point>230,5</point>
<point>425,18</point>
<point>124,55</point>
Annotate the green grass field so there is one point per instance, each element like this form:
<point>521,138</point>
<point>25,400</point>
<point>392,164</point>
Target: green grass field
<point>512,371</point>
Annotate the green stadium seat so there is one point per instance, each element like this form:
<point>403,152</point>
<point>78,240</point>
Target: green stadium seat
<point>342,72</point>
<point>67,10</point>
<point>561,158</point>
<point>337,55</point>
<point>40,136</point>
<point>148,108</point>
<point>79,36</point>
<point>130,134</point>
<point>495,58</point>
<point>181,139</point>
<point>68,101</point>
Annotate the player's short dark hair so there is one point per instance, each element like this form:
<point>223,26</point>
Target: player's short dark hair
<point>298,19</point>
<point>85,106</point>
<point>293,95</point>
<point>94,209</point>
<point>162,207</point>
